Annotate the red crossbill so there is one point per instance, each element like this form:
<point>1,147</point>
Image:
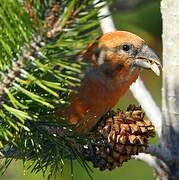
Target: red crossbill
<point>115,59</point>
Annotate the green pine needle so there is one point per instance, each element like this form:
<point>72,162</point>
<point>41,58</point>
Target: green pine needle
<point>38,75</point>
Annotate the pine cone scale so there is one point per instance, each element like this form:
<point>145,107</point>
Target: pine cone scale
<point>124,134</point>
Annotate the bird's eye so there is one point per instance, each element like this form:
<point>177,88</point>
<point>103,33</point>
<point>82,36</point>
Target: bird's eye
<point>125,47</point>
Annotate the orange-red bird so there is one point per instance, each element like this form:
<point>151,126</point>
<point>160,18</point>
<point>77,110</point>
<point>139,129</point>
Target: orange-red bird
<point>116,59</point>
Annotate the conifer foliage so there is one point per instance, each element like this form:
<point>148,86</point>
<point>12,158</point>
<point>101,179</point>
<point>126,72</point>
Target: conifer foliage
<point>39,41</point>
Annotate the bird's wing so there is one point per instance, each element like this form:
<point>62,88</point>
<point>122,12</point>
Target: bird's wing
<point>89,121</point>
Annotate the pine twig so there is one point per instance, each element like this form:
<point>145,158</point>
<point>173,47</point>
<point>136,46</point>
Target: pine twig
<point>30,10</point>
<point>28,54</point>
<point>159,152</point>
<point>60,22</point>
<point>158,165</point>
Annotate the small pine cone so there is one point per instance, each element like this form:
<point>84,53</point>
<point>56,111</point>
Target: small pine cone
<point>123,134</point>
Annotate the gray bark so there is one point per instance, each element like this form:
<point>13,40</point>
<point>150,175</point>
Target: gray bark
<point>170,92</point>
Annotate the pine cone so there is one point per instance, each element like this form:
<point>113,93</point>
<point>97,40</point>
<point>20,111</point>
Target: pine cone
<point>122,134</point>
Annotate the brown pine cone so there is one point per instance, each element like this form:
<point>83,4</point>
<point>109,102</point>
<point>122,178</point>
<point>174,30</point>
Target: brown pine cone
<point>123,134</point>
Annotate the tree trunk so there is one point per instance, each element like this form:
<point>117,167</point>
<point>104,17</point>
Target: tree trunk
<point>170,92</point>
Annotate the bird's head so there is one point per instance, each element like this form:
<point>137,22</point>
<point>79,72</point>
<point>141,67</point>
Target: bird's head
<point>122,50</point>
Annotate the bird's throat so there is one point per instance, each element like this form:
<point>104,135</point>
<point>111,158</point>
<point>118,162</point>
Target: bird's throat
<point>122,82</point>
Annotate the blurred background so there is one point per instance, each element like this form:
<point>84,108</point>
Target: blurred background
<point>143,18</point>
